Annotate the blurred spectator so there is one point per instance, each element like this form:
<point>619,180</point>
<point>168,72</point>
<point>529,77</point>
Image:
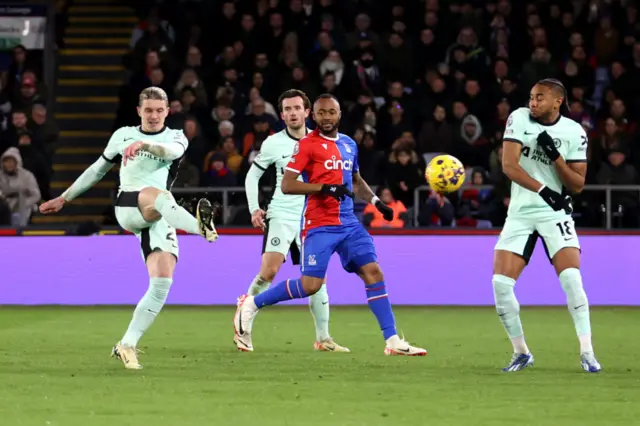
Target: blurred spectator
<point>370,159</point>
<point>234,159</point>
<point>257,134</point>
<point>617,172</point>
<point>217,173</point>
<point>475,203</point>
<point>404,176</point>
<point>188,175</point>
<point>424,77</point>
<point>44,132</point>
<point>436,211</point>
<point>436,136</point>
<point>373,218</point>
<point>18,187</point>
<point>198,145</point>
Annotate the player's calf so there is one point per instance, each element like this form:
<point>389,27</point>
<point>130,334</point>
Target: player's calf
<point>378,301</point>
<point>567,262</point>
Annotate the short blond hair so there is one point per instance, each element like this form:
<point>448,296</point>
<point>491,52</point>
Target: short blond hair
<point>153,93</point>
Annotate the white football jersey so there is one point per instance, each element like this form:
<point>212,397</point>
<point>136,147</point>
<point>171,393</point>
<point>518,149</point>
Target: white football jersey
<point>277,149</point>
<point>145,169</point>
<point>570,140</point>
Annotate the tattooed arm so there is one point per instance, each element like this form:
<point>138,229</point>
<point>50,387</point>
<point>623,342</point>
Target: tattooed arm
<point>362,190</point>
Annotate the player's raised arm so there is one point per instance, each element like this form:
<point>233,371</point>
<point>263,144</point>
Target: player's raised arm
<point>252,182</point>
<point>172,150</point>
<point>88,178</point>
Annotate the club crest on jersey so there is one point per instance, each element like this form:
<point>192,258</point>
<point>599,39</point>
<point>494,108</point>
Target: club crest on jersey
<point>312,260</point>
<point>296,148</point>
<point>347,148</point>
<point>557,143</point>
<point>335,164</point>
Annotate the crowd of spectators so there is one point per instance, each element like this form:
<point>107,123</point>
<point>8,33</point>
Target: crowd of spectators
<point>414,78</point>
<point>28,136</point>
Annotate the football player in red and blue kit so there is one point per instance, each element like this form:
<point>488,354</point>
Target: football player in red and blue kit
<point>328,163</point>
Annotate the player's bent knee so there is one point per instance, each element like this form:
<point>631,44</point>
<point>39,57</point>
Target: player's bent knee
<point>371,273</point>
<point>311,285</point>
<point>502,285</point>
<point>566,258</point>
<point>271,263</point>
<point>571,281</point>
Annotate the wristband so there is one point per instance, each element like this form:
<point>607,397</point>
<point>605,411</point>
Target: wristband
<point>374,200</point>
<point>541,188</point>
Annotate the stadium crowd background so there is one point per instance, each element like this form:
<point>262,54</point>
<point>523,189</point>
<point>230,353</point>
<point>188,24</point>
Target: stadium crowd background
<point>414,78</point>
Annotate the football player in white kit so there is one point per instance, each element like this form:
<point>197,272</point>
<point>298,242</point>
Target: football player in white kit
<point>543,153</point>
<point>282,220</point>
<point>150,155</point>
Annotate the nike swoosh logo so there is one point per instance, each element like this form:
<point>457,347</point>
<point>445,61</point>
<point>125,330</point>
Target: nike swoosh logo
<point>578,307</point>
<point>567,238</point>
<point>529,133</point>
<point>128,139</point>
<point>501,315</point>
<point>324,303</point>
<point>405,350</point>
<point>286,156</point>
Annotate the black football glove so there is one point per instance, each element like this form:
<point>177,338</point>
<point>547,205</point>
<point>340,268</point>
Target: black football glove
<point>387,212</point>
<point>555,200</point>
<point>548,146</point>
<point>339,192</point>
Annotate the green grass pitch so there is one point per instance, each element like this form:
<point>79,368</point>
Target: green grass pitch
<point>55,370</point>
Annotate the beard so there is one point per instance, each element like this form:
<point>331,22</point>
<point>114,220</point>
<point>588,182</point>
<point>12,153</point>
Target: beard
<point>331,130</point>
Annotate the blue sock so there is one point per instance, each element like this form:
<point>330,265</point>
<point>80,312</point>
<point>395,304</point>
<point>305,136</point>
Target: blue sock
<point>284,290</point>
<point>381,308</point>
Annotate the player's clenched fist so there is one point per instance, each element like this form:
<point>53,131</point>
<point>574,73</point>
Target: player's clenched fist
<point>387,212</point>
<point>548,146</point>
<point>257,219</point>
<point>131,151</point>
<point>555,200</point>
<point>339,192</point>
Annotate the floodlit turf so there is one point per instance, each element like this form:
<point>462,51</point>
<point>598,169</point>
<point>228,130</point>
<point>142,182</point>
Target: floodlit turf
<point>55,370</point>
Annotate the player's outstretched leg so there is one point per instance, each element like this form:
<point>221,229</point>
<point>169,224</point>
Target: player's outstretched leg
<point>248,306</point>
<point>566,262</point>
<point>378,301</point>
<point>319,307</point>
<point>160,266</point>
<point>153,201</point>
<point>506,265</point>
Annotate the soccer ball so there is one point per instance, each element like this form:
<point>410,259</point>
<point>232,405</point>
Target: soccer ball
<point>445,174</point>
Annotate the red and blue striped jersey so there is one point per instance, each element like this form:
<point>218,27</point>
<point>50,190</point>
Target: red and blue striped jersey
<point>320,159</point>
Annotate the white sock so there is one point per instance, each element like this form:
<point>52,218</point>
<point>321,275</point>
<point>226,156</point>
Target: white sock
<point>519,345</point>
<point>585,343</point>
<point>148,308</point>
<point>176,215</point>
<point>258,285</point>
<point>508,310</point>
<point>319,306</point>
<point>578,306</point>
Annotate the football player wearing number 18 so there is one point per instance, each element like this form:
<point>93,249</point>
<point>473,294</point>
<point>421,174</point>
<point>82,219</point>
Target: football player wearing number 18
<point>543,153</point>
<point>328,163</point>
